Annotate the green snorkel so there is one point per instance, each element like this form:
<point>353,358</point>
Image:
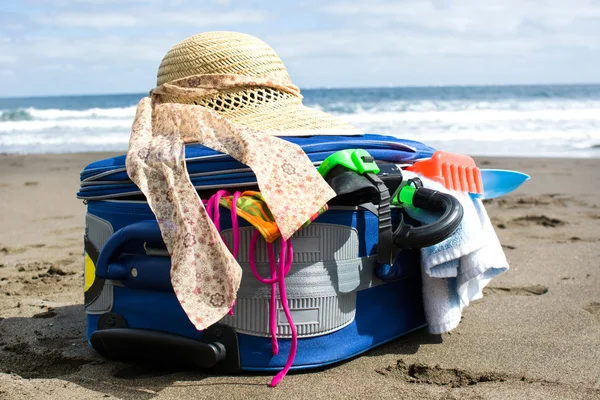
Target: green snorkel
<point>353,174</point>
<point>414,194</point>
<point>357,160</point>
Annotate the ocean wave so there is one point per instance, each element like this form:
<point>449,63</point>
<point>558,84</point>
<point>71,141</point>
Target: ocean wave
<point>393,110</point>
<point>335,107</point>
<point>476,126</point>
<point>82,125</point>
<point>473,116</point>
<point>585,145</point>
<point>109,139</point>
<point>29,114</point>
<point>493,137</point>
<point>15,115</point>
<point>403,106</point>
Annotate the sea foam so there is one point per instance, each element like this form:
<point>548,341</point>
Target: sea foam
<point>474,120</point>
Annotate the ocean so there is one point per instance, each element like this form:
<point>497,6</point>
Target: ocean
<point>538,121</point>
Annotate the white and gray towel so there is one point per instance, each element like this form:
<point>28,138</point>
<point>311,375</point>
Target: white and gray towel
<point>456,270</point>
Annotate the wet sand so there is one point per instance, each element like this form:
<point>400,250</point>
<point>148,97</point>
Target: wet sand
<point>535,334</point>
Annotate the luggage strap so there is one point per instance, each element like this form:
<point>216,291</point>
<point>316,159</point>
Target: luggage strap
<point>364,186</point>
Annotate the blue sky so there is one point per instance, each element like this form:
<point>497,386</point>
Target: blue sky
<point>51,47</point>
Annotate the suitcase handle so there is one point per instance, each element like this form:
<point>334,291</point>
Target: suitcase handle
<point>125,343</point>
<point>146,231</point>
<point>216,348</point>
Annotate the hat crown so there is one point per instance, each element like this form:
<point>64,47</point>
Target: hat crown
<point>219,53</point>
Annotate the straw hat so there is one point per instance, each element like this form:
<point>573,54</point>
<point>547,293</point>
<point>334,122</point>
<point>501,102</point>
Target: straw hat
<point>261,108</point>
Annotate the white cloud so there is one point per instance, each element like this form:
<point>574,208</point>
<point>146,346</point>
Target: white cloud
<point>466,16</point>
<point>150,18</point>
<point>61,67</point>
<point>15,27</point>
<point>119,43</point>
<point>71,3</point>
<point>7,59</point>
<point>383,43</point>
<point>458,28</point>
<point>107,40</point>
<point>106,49</point>
<point>89,20</point>
<point>200,18</point>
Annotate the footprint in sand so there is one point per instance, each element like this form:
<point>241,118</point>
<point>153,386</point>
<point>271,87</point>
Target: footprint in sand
<point>541,220</point>
<point>528,220</point>
<point>437,375</point>
<point>12,250</point>
<point>33,266</point>
<point>55,271</point>
<point>534,290</point>
<point>574,239</point>
<point>46,314</point>
<point>594,309</point>
<point>551,199</point>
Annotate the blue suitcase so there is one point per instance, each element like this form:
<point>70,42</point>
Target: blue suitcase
<point>339,304</point>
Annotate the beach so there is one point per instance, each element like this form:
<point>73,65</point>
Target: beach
<point>535,334</point>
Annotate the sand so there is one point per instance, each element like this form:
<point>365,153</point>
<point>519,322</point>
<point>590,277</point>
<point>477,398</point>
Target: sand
<point>535,334</point>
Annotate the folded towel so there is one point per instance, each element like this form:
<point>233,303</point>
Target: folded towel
<point>456,270</point>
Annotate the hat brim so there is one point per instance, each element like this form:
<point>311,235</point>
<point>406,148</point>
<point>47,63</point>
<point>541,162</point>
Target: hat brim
<point>293,119</point>
<point>281,115</point>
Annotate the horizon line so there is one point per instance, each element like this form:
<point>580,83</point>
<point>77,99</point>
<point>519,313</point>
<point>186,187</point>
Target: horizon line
<point>328,88</point>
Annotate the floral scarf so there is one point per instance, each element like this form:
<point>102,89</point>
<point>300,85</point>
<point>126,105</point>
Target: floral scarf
<point>204,274</point>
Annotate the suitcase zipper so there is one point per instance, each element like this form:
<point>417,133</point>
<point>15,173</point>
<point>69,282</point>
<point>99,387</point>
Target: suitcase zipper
<point>391,145</point>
